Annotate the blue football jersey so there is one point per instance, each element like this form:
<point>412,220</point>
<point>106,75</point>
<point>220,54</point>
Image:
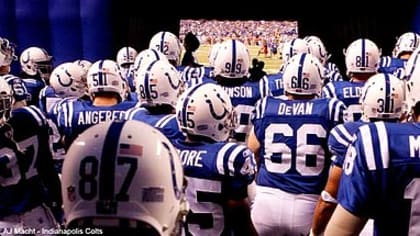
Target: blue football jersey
<point>47,97</point>
<point>34,86</point>
<point>293,134</point>
<point>216,172</point>
<point>275,84</point>
<point>20,92</point>
<point>27,178</point>
<point>75,116</point>
<point>166,123</point>
<point>331,73</point>
<point>340,138</point>
<point>348,92</point>
<point>381,178</point>
<point>193,76</point>
<point>392,65</point>
<point>244,98</point>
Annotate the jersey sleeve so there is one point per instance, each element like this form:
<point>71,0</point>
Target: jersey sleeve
<point>338,142</point>
<point>239,168</point>
<point>356,192</point>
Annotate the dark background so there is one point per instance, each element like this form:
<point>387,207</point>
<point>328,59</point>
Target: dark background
<point>96,29</point>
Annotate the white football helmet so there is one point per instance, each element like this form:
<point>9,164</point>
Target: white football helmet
<point>68,80</point>
<point>303,75</point>
<point>126,57</point>
<point>206,110</point>
<point>105,76</point>
<point>407,42</point>
<point>362,56</point>
<point>145,57</point>
<point>232,60</point>
<point>168,44</point>
<point>158,83</point>
<point>7,52</point>
<point>6,100</point>
<point>382,97</point>
<point>293,47</point>
<point>35,60</point>
<point>412,71</point>
<point>124,170</point>
<point>213,53</point>
<point>413,65</point>
<point>84,64</point>
<point>317,48</point>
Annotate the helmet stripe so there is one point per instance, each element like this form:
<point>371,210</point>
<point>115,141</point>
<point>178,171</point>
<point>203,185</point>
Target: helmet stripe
<point>363,62</point>
<point>300,70</point>
<point>128,54</point>
<point>387,94</point>
<point>291,48</point>
<point>414,65</point>
<point>162,41</point>
<point>100,73</point>
<point>415,40</point>
<point>108,159</point>
<point>147,80</point>
<point>232,69</point>
<point>156,54</point>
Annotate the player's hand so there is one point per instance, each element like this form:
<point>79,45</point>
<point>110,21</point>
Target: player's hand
<point>257,70</point>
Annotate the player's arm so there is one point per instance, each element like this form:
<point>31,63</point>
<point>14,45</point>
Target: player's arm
<point>254,145</point>
<point>237,204</point>
<point>344,223</point>
<point>327,202</point>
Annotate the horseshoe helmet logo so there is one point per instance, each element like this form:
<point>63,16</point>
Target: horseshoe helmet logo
<point>212,110</point>
<point>63,82</point>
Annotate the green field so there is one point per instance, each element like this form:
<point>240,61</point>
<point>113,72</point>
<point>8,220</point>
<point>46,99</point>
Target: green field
<point>272,65</point>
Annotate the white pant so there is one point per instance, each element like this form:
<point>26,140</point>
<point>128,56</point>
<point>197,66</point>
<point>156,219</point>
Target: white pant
<point>276,212</point>
<point>368,229</point>
<point>30,222</point>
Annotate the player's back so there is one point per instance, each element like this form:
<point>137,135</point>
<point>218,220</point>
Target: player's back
<point>383,181</point>
<point>75,116</point>
<point>166,123</point>
<point>21,186</point>
<point>216,173</point>
<point>293,137</point>
<point>347,91</point>
<point>392,65</point>
<point>244,97</point>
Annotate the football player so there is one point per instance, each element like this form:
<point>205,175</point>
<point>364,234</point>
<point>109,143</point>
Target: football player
<point>158,86</point>
<point>289,139</point>
<point>30,188</point>
<point>107,90</point>
<point>123,178</point>
<point>362,61</point>
<point>382,99</point>
<point>380,176</point>
<point>218,172</point>
<point>36,66</point>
